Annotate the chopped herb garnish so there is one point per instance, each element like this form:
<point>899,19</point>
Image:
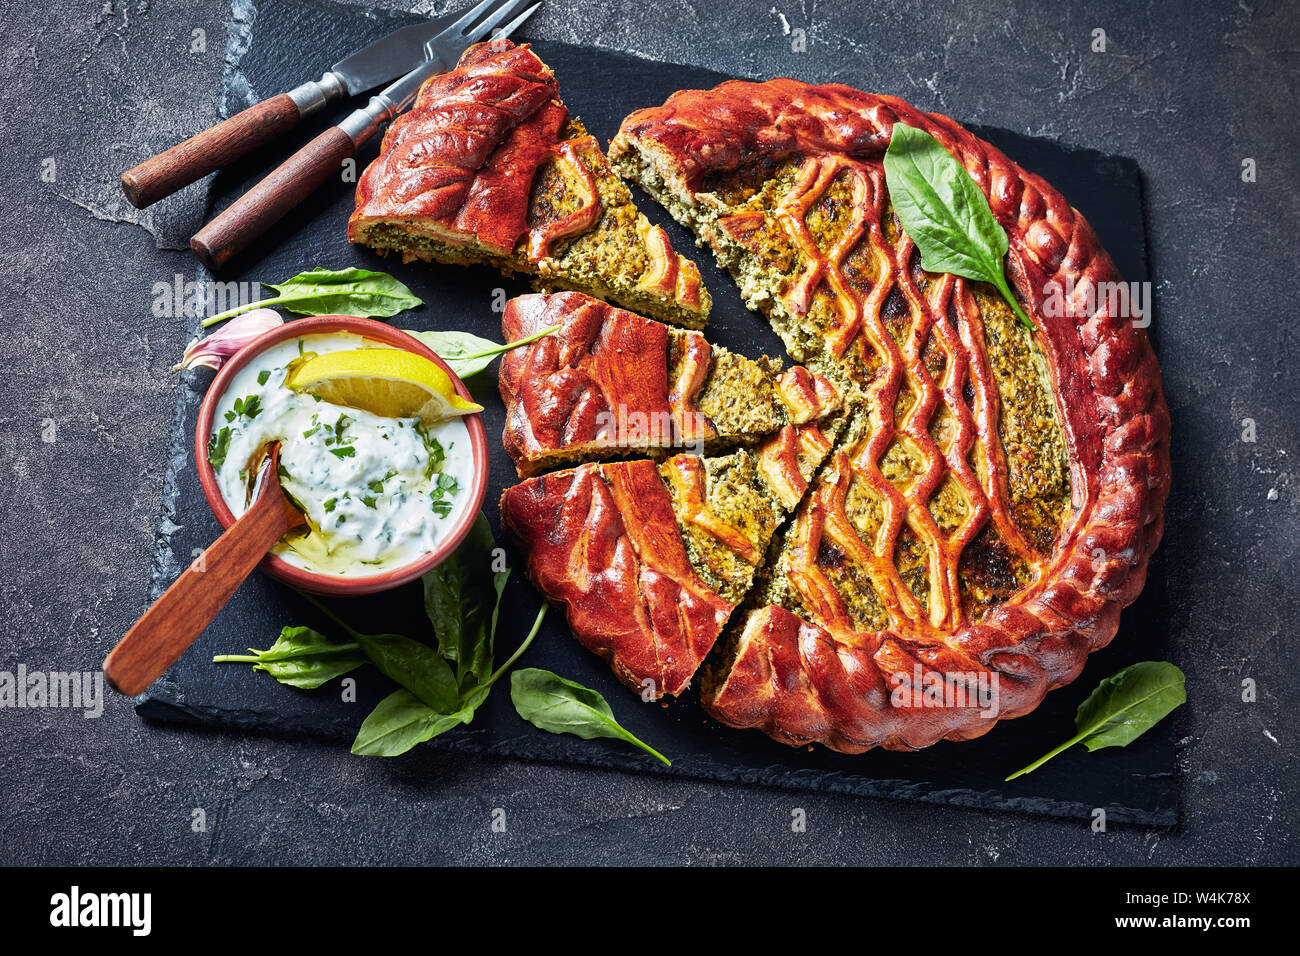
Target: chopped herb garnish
<point>282,471</point>
<point>448,484</point>
<point>330,503</point>
<point>311,431</point>
<point>377,486</point>
<point>218,445</point>
<point>441,508</point>
<point>248,407</point>
<point>368,501</point>
<point>344,451</point>
<point>263,376</point>
<point>435,451</point>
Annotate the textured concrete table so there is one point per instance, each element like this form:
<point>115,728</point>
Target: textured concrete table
<point>86,392</point>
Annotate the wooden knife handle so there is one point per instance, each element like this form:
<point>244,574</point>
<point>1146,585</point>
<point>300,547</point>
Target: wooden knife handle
<point>210,150</point>
<point>266,203</point>
<point>178,617</point>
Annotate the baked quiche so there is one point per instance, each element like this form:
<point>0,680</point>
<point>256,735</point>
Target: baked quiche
<point>489,167</point>
<point>610,382</point>
<point>649,560</point>
<point>997,492</point>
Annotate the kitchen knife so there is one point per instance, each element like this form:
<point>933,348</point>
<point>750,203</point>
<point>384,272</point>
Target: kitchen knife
<point>238,136</point>
<point>267,202</point>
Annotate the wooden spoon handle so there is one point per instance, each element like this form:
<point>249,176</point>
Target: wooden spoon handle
<point>210,150</point>
<point>266,203</point>
<point>178,617</point>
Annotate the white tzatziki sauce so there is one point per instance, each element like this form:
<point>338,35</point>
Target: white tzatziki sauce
<point>378,492</point>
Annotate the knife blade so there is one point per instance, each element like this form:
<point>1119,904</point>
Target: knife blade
<point>299,176</point>
<point>191,160</point>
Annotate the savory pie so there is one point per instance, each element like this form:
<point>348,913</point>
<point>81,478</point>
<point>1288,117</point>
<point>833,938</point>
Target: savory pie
<point>610,382</point>
<point>995,497</point>
<point>489,167</point>
<point>650,560</point>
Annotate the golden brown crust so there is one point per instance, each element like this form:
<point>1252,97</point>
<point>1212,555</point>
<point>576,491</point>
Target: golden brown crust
<point>602,542</point>
<point>488,166</point>
<point>461,161</point>
<point>816,677</point>
<point>609,381</point>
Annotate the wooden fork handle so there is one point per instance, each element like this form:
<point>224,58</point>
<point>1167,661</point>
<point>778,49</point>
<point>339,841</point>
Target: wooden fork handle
<point>266,203</point>
<point>178,617</point>
<point>209,151</point>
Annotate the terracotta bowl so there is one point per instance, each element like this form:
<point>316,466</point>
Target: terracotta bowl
<point>378,332</point>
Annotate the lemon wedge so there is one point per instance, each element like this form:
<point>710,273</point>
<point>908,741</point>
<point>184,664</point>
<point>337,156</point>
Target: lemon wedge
<point>389,382</point>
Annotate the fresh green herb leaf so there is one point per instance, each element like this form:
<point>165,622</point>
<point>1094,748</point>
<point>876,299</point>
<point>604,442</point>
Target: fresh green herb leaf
<point>376,485</point>
<point>368,501</point>
<point>327,292</point>
<point>218,445</point>
<point>433,448</point>
<point>1122,708</point>
<point>415,666</point>
<point>440,508</point>
<point>343,451</point>
<point>462,596</point>
<point>400,720</point>
<point>436,692</point>
<point>301,658</point>
<point>248,407</point>
<point>263,376</point>
<point>561,706</point>
<point>311,431</point>
<point>330,503</point>
<point>945,213</point>
<point>468,354</point>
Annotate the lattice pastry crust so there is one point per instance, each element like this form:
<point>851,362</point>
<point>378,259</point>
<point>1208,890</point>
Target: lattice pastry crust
<point>812,672</point>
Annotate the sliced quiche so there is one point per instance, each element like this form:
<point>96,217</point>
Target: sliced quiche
<point>609,382</point>
<point>649,560</point>
<point>489,167</point>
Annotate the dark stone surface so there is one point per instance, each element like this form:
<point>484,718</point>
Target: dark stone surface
<point>1190,97</point>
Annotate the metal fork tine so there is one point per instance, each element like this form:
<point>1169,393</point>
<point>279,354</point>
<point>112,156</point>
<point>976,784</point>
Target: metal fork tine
<point>485,28</point>
<point>462,25</point>
<point>513,25</point>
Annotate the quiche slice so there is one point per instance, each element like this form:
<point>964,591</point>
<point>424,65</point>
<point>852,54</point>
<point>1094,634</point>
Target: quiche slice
<point>611,382</point>
<point>489,167</point>
<point>997,494</point>
<point>649,559</point>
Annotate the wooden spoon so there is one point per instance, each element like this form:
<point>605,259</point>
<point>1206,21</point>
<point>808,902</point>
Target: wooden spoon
<point>178,617</point>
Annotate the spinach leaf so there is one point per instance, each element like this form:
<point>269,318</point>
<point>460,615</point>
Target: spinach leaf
<point>462,597</point>
<point>560,706</point>
<point>439,688</point>
<point>416,666</point>
<point>468,354</point>
<point>401,720</point>
<point>301,658</point>
<point>327,292</point>
<point>945,213</point>
<point>1122,708</point>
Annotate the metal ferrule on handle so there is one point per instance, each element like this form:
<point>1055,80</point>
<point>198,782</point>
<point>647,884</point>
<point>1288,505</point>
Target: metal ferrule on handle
<point>363,123</point>
<point>312,97</point>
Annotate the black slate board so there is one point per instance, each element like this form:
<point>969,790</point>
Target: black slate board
<point>292,41</point>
